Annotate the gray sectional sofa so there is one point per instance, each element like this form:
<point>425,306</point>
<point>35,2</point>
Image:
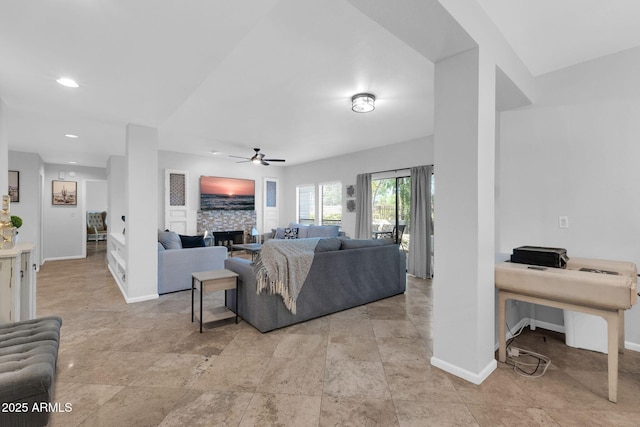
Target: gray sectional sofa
<point>360,272</point>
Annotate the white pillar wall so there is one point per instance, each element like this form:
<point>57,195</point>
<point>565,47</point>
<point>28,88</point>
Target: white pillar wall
<point>464,153</point>
<point>141,217</point>
<point>4,150</point>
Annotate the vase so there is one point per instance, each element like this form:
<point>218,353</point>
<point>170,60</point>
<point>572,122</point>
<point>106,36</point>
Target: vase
<point>7,237</point>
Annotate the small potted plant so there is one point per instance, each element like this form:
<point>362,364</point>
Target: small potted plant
<point>16,222</point>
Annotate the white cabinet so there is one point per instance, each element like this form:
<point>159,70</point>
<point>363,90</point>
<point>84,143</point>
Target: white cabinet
<point>17,283</point>
<point>117,256</point>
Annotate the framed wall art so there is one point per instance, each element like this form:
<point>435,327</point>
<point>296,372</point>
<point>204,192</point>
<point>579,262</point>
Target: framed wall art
<point>64,193</point>
<point>351,191</point>
<point>14,186</point>
<point>227,194</point>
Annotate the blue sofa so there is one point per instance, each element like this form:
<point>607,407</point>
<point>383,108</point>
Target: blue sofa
<point>360,272</point>
<point>175,266</point>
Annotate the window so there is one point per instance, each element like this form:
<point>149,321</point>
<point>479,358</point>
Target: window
<point>306,195</point>
<point>331,203</point>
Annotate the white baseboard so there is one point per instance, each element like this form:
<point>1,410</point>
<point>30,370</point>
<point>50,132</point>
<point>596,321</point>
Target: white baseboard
<point>128,299</point>
<point>632,346</point>
<point>548,326</point>
<point>62,258</point>
<point>628,345</point>
<point>463,373</point>
<point>142,298</point>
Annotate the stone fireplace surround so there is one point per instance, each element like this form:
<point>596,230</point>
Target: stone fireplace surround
<point>227,221</point>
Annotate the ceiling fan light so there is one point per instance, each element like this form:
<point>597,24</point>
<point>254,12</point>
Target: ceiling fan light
<point>256,160</point>
<point>363,103</point>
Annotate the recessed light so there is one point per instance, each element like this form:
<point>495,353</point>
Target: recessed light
<point>73,163</point>
<point>70,135</point>
<point>65,81</point>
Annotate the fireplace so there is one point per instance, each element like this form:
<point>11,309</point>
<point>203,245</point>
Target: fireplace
<point>228,238</point>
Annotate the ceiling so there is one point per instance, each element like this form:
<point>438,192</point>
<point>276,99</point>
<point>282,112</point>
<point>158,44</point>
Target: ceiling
<point>227,76</point>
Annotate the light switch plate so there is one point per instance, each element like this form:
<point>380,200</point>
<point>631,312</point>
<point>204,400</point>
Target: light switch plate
<point>563,221</point>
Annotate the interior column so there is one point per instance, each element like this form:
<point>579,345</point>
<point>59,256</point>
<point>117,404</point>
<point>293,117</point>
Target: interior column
<point>464,147</point>
<point>4,149</point>
<point>142,217</point>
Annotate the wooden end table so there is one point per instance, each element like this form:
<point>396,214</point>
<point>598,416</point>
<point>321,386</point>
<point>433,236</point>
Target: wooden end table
<point>214,281</point>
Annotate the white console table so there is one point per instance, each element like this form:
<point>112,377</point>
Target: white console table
<point>17,283</point>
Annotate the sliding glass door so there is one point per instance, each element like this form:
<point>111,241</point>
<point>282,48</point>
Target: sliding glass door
<point>391,199</point>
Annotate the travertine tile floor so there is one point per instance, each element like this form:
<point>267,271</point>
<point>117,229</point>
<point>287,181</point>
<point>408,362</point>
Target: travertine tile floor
<point>145,364</point>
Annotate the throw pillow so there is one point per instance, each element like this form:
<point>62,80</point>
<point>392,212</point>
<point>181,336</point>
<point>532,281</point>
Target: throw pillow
<point>290,233</point>
<point>302,229</point>
<point>192,241</point>
<point>169,239</point>
<point>286,233</point>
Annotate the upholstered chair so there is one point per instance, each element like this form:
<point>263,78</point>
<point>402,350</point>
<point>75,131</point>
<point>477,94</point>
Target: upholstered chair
<point>96,226</point>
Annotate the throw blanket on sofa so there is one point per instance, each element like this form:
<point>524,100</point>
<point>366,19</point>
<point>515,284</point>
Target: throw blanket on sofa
<point>282,267</point>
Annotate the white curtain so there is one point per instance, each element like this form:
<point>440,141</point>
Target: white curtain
<point>363,206</point>
<point>419,263</point>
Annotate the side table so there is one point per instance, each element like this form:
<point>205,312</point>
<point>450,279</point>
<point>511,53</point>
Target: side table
<point>213,281</point>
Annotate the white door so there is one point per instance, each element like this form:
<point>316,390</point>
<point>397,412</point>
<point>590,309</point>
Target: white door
<point>176,202</point>
<point>271,205</point>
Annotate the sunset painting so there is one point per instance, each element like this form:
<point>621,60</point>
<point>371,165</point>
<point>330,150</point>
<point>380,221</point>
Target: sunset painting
<point>229,194</point>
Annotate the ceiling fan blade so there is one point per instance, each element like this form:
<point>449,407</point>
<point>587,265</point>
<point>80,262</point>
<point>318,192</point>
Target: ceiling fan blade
<point>257,158</point>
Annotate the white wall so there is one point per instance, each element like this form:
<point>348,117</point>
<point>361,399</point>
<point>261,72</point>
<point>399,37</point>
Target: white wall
<point>63,225</point>
<point>575,153</point>
<point>141,194</point>
<point>96,194</point>
<point>211,166</point>
<point>117,206</point>
<point>345,168</point>
<point>4,149</point>
<point>28,208</point>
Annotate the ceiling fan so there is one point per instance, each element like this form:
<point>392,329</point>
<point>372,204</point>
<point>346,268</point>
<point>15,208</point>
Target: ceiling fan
<point>257,158</point>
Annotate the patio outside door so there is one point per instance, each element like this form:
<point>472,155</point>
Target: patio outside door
<point>391,199</point>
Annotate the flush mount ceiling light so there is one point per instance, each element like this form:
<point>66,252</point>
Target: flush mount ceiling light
<point>65,81</point>
<point>363,102</point>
